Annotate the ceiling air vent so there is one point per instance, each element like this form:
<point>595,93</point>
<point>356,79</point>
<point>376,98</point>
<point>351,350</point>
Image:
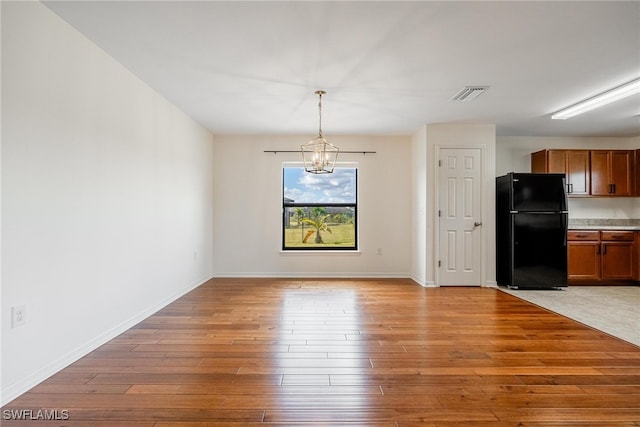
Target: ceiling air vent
<point>468,93</point>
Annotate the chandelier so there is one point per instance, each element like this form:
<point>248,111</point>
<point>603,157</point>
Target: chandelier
<point>319,155</point>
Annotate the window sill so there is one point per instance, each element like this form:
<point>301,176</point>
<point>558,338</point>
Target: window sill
<point>308,252</point>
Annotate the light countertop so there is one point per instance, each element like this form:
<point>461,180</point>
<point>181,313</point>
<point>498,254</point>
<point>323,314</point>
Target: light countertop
<point>604,224</point>
<point>605,227</point>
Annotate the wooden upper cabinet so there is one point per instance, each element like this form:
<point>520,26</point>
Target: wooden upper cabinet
<point>556,161</point>
<point>600,185</point>
<point>612,173</point>
<point>574,163</point>
<point>578,175</point>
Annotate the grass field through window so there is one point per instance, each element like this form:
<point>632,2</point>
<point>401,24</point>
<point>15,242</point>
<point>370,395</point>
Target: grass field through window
<point>341,235</point>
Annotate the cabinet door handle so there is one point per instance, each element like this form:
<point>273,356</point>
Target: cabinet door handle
<point>598,250</point>
<point>613,188</point>
<point>604,249</point>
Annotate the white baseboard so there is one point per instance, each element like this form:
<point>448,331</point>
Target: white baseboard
<point>424,283</point>
<point>19,387</point>
<point>312,275</point>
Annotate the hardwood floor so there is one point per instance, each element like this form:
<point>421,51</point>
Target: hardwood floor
<point>249,352</point>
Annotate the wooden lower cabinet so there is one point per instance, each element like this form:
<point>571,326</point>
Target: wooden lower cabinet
<point>617,259</point>
<point>601,256</point>
<point>635,267</point>
<point>583,260</point>
<point>636,173</point>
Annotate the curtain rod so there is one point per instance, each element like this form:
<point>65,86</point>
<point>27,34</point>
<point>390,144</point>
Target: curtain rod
<point>340,152</point>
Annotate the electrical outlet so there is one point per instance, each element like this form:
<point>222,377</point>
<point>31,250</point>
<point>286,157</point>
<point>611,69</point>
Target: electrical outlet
<point>18,316</point>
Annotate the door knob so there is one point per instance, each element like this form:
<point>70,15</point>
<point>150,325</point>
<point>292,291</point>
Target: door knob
<point>477,223</point>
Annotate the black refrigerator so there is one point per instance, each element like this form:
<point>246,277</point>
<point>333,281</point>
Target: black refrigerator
<point>531,230</point>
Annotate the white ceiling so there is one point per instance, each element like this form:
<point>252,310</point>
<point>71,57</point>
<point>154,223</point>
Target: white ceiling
<point>388,67</point>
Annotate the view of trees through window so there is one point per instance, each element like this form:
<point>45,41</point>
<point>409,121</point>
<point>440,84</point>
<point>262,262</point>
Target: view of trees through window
<point>319,210</point>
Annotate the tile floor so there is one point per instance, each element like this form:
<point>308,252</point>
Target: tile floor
<point>611,309</point>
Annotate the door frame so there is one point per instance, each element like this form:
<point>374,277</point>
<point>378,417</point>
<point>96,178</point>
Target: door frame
<point>483,209</point>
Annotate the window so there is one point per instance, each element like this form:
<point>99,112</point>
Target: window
<point>320,211</point>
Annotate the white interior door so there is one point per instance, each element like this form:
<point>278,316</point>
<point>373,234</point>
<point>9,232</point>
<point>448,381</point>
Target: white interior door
<point>460,208</point>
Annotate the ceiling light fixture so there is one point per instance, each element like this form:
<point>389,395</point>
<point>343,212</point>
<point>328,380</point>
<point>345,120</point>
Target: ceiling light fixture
<point>597,101</point>
<point>319,155</point>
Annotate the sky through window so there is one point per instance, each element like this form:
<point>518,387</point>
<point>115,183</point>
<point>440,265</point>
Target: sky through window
<point>336,187</point>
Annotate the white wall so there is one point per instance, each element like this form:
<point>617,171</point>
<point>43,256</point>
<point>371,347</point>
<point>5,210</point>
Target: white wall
<point>106,197</point>
<point>420,228</point>
<point>248,211</point>
<point>108,190</point>
<point>514,154</point>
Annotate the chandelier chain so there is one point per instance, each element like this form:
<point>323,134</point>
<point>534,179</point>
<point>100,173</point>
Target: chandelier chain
<point>320,92</point>
<point>319,155</point>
